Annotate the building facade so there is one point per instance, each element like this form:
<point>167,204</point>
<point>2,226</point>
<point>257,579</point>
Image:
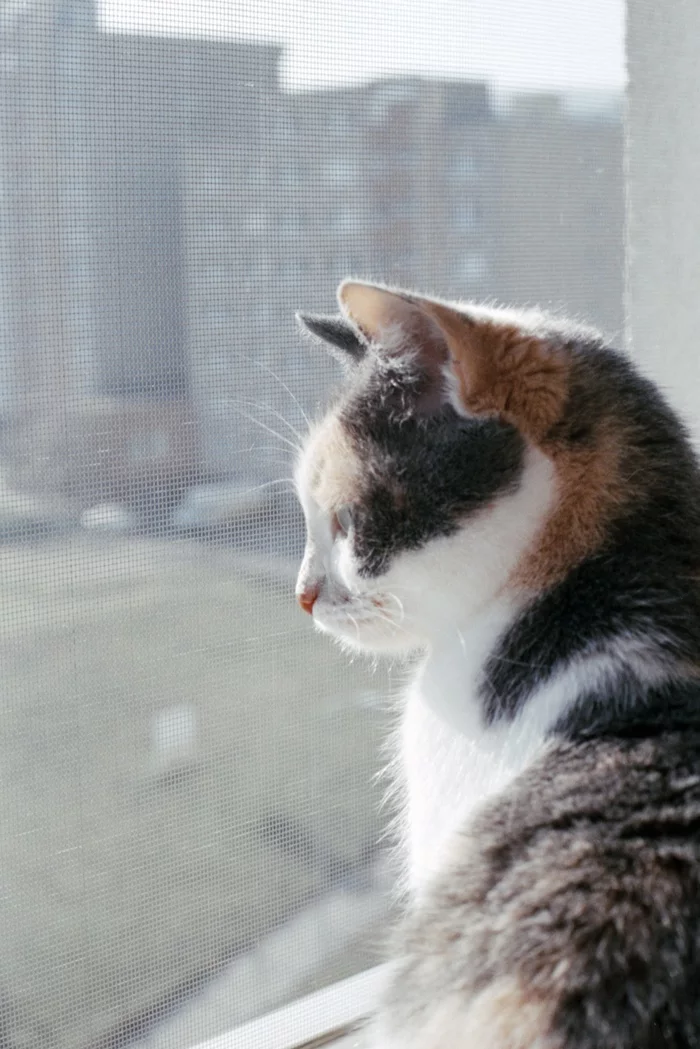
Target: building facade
<point>166,208</point>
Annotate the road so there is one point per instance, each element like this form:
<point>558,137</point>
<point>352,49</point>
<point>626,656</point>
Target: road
<point>184,765</point>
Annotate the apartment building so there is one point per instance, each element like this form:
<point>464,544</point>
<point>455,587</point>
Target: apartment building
<point>166,208</point>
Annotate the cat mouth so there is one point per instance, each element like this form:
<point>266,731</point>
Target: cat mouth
<point>367,623</point>
<point>348,611</point>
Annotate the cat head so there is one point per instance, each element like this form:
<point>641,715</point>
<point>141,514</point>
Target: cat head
<point>472,454</point>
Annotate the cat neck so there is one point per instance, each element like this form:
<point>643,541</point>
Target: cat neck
<point>485,680</point>
<point>450,676</point>
<point>458,749</point>
<point>451,760</point>
<point>453,681</point>
<point>455,753</point>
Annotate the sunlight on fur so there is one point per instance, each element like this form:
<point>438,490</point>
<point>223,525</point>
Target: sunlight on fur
<point>503,497</point>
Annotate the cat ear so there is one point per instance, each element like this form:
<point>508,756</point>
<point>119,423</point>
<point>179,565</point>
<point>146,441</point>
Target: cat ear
<point>338,333</point>
<point>496,367</point>
<point>502,370</point>
<point>393,320</point>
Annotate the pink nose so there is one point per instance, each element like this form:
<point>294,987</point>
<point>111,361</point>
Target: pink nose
<point>308,596</point>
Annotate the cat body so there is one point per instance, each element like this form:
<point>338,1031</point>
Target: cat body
<point>505,495</point>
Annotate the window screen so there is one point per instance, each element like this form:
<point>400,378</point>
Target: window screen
<point>192,830</point>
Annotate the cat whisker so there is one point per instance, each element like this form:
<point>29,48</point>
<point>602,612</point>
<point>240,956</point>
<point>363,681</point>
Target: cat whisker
<point>398,601</point>
<point>277,462</point>
<point>244,453</point>
<point>382,617</point>
<point>354,623</point>
<point>278,415</point>
<point>269,484</point>
<point>280,380</point>
<point>269,449</point>
<point>263,426</point>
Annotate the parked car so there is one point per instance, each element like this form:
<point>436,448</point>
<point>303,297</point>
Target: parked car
<point>254,515</point>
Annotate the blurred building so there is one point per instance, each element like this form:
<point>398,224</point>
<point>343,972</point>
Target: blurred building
<point>119,252</point>
<point>558,215</point>
<point>166,207</point>
<point>432,184</point>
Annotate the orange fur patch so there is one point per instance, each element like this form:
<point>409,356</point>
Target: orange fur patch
<point>503,371</point>
<point>591,492</point>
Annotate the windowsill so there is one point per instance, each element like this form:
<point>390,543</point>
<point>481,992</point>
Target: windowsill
<point>331,1015</point>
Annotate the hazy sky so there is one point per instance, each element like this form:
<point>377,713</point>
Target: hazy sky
<point>516,43</point>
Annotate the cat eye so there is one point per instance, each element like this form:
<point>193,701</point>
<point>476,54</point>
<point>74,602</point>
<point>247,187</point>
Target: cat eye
<point>342,521</point>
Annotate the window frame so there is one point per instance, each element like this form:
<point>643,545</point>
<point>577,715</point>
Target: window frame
<point>326,1016</point>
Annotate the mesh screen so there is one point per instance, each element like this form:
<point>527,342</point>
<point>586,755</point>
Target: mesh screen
<point>190,819</point>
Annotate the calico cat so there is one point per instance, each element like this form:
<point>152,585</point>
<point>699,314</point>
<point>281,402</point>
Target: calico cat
<point>503,493</point>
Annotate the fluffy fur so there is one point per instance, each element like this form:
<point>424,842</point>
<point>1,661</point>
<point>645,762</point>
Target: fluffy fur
<point>505,495</point>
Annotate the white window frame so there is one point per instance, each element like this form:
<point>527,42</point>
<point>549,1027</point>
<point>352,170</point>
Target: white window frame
<point>663,201</point>
<point>328,1015</point>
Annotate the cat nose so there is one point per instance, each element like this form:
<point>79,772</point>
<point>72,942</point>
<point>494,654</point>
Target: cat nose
<point>308,596</point>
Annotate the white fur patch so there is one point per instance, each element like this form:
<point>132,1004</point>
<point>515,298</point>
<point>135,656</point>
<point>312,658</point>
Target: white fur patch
<point>452,391</point>
<point>429,596</point>
<point>499,1017</point>
<point>452,766</point>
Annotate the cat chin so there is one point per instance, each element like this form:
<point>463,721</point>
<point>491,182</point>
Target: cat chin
<point>363,633</point>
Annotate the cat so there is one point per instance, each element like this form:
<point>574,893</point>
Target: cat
<point>502,493</point>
